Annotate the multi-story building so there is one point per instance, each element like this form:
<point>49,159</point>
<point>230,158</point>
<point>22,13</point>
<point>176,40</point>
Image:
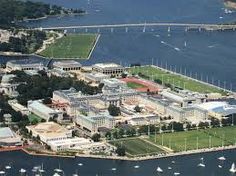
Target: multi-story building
<point>68,65</point>
<point>38,108</point>
<point>23,65</point>
<point>111,69</point>
<point>49,131</point>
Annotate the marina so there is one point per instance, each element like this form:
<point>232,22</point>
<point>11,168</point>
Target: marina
<point>195,43</point>
<point>104,167</point>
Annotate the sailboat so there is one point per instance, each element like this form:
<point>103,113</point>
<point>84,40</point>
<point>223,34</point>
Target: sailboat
<point>80,164</point>
<point>185,44</point>
<point>136,166</point>
<point>222,158</point>
<point>233,168</point>
<point>176,173</point>
<point>2,172</point>
<point>41,170</point>
<point>202,163</point>
<point>159,169</point>
<point>22,171</point>
<point>8,167</point>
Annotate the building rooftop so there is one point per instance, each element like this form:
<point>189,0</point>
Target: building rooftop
<point>7,78</point>
<point>41,107</point>
<point>49,129</point>
<point>6,132</point>
<point>67,63</point>
<point>107,65</point>
<point>220,107</point>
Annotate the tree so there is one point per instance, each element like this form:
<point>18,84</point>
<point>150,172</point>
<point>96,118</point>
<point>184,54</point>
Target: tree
<point>203,125</point>
<point>114,110</point>
<point>115,134</point>
<point>123,75</point>
<point>96,137</point>
<point>138,108</point>
<point>47,100</point>
<point>121,132</point>
<point>131,132</point>
<point>108,135</point>
<point>215,122</point>
<point>120,150</point>
<point>177,126</point>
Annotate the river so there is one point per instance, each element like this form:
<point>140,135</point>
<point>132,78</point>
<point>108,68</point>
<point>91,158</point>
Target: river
<point>210,54</point>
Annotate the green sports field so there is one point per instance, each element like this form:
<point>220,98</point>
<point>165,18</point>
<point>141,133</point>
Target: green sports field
<point>33,117</point>
<point>137,146</point>
<point>213,137</point>
<point>134,85</point>
<point>71,46</point>
<point>173,79</point>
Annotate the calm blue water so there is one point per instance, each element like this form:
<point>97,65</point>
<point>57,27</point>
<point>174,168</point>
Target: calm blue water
<point>186,165</point>
<point>210,54</point>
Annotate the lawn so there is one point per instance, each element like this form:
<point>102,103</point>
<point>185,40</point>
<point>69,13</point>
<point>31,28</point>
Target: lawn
<point>33,117</point>
<point>134,85</point>
<point>174,79</point>
<point>71,46</point>
<point>137,146</point>
<point>213,137</point>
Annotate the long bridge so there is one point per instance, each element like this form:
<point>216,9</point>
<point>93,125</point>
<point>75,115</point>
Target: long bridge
<point>126,25</point>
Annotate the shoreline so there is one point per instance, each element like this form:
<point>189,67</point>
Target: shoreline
<point>144,158</point>
<point>94,46</point>
<point>230,4</point>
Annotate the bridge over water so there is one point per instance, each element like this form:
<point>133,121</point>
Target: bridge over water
<point>187,26</point>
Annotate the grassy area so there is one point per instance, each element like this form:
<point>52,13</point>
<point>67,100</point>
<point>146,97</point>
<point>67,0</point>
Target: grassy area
<point>33,117</point>
<point>176,80</point>
<point>137,146</point>
<point>213,137</point>
<point>71,46</point>
<point>134,85</point>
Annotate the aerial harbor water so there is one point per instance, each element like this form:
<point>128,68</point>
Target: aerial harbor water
<point>103,167</point>
<point>202,53</point>
<point>208,55</point>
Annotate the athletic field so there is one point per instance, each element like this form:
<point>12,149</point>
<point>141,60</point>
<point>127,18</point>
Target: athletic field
<point>71,46</point>
<point>137,146</point>
<point>196,139</point>
<point>140,84</point>
<point>173,79</point>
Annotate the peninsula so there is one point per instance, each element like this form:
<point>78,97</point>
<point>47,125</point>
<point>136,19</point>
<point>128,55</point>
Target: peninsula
<point>230,3</point>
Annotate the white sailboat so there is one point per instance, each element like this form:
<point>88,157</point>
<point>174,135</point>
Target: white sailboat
<point>176,173</point>
<point>159,169</point>
<point>80,164</point>
<point>113,169</point>
<point>169,168</point>
<point>8,167</point>
<point>136,166</point>
<point>58,169</point>
<point>220,166</point>
<point>41,170</point>
<point>233,168</point>
<point>22,171</point>
<point>2,172</point>
<point>222,158</point>
<point>202,163</point>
